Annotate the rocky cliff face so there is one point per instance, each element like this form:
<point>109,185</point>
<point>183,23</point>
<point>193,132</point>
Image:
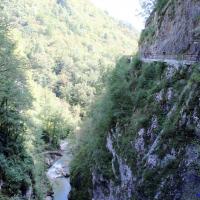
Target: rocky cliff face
<point>156,155</point>
<point>154,131</point>
<point>162,160</point>
<point>123,186</point>
<point>173,31</point>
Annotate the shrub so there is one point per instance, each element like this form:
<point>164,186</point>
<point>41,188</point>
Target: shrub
<point>160,4</point>
<point>147,34</point>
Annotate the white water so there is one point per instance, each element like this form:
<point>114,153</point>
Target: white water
<point>56,174</point>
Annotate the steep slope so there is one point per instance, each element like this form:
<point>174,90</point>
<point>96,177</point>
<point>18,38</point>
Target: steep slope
<point>173,31</point>
<point>154,148</point>
<point>62,50</point>
<point>16,164</point>
<point>143,140</point>
<point>70,44</point>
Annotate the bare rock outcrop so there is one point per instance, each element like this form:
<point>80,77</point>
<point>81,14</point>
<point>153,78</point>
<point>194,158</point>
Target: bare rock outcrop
<point>173,32</point>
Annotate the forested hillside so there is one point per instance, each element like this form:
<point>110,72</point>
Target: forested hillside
<point>55,57</point>
<point>16,165</point>
<point>70,44</point>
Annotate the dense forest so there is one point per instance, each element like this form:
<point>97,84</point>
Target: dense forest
<point>75,88</point>
<point>16,163</point>
<point>54,63</point>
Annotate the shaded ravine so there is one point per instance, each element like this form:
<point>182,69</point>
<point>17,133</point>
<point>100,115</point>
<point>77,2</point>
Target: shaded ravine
<point>58,174</point>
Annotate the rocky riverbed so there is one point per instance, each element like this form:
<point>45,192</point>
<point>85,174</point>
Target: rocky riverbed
<point>58,173</point>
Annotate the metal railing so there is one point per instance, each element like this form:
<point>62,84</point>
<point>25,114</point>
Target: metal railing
<point>187,57</point>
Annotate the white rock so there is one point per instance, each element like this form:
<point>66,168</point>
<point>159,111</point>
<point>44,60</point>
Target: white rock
<point>152,160</point>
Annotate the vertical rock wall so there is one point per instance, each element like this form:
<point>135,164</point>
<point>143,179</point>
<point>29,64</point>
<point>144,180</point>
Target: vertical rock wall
<point>166,149</point>
<point>173,32</point>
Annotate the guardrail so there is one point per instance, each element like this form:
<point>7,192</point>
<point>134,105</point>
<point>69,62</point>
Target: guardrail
<point>186,57</point>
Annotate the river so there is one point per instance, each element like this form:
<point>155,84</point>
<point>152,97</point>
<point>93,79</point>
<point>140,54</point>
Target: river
<point>58,174</point>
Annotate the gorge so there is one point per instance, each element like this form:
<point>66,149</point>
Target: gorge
<point>150,123</point>
<point>54,60</point>
<point>87,114</point>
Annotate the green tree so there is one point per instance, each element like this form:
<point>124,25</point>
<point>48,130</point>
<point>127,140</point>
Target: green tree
<point>15,163</point>
<point>147,7</point>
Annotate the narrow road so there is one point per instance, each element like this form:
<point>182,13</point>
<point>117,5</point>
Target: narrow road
<point>173,62</point>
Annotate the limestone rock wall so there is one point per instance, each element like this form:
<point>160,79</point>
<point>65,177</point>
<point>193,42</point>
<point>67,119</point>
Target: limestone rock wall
<point>173,32</point>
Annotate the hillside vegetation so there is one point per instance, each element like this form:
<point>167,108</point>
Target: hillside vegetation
<point>141,141</point>
<point>55,57</point>
<point>70,45</point>
<point>149,117</point>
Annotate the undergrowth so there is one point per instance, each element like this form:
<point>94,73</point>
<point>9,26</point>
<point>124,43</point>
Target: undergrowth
<point>129,102</point>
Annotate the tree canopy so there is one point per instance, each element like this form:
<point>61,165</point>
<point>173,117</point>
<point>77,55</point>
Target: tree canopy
<point>55,57</point>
